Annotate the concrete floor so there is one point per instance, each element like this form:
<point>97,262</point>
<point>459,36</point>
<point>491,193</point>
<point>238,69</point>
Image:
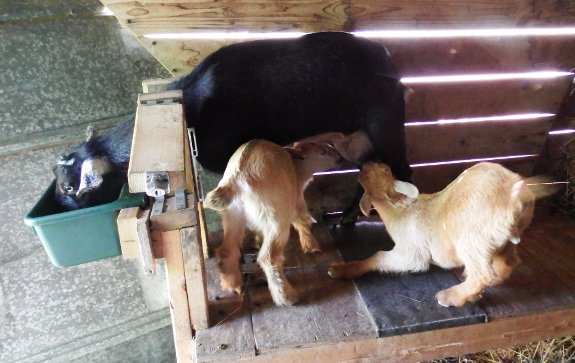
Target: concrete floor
<point>64,66</point>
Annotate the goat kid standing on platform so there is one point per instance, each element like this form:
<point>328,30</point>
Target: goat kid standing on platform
<point>262,189</point>
<point>475,222</point>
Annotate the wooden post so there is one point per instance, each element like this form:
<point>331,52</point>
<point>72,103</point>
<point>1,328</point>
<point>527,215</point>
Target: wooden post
<point>181,321</point>
<point>195,276</point>
<point>160,145</point>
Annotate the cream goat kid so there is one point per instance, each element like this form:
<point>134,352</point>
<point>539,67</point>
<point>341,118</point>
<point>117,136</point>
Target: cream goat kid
<point>262,189</point>
<point>468,224</point>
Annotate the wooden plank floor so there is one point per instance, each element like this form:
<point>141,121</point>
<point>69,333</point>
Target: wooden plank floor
<point>332,323</point>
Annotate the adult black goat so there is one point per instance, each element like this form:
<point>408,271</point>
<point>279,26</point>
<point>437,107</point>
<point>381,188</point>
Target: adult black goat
<point>278,90</point>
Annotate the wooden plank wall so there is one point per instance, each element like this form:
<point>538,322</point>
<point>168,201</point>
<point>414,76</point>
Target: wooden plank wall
<point>421,56</point>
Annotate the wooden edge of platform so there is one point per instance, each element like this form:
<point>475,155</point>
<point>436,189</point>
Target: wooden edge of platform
<point>434,344</point>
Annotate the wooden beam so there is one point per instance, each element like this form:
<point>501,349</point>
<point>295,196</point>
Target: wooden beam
<point>432,344</point>
<point>127,232</point>
<point>179,304</point>
<point>171,218</point>
<point>158,143</point>
<point>196,284</point>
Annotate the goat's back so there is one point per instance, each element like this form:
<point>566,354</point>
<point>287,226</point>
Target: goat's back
<point>486,200</point>
<point>261,174</point>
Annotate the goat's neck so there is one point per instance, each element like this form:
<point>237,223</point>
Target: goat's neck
<point>390,211</point>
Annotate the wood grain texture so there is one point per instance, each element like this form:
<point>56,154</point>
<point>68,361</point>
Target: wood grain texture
<point>169,16</point>
<point>196,283</point>
<point>230,336</point>
<point>431,143</point>
<point>181,323</point>
<point>431,102</point>
<point>330,310</point>
<point>411,348</point>
<point>171,218</point>
<point>158,143</point>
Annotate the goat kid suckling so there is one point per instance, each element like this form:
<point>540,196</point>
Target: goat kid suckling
<point>475,223</point>
<point>262,189</point>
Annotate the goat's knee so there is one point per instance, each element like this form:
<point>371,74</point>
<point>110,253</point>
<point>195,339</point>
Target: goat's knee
<point>479,276</point>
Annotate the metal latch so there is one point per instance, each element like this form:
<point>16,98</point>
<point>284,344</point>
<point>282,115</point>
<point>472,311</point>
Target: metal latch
<point>157,183</point>
<point>196,165</point>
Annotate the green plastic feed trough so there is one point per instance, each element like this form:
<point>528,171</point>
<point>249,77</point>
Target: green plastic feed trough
<point>80,236</point>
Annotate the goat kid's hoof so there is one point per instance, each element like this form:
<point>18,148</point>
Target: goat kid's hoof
<point>335,271</point>
<point>231,283</point>
<point>449,298</point>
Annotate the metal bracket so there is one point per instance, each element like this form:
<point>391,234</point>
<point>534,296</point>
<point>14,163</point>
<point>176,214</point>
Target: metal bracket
<point>180,199</point>
<point>196,165</point>
<point>157,183</point>
<point>158,206</point>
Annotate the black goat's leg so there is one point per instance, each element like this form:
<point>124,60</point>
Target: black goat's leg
<point>351,212</point>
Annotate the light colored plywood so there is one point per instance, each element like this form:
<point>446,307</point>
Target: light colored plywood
<point>166,16</point>
<point>181,323</point>
<point>181,56</point>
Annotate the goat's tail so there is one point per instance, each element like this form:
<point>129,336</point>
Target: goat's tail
<point>541,186</point>
<point>220,198</point>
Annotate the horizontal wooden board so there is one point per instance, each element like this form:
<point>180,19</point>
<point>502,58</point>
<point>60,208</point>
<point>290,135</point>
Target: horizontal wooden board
<point>171,16</point>
<point>413,57</point>
<point>431,102</point>
<point>432,143</point>
<point>429,56</point>
<point>431,179</point>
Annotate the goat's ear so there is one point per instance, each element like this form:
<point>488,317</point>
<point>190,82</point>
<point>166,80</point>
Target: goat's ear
<point>92,174</point>
<point>90,132</point>
<point>294,153</point>
<point>365,204</point>
<point>405,188</point>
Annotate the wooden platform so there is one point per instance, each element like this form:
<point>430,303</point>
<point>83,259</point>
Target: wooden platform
<point>340,321</point>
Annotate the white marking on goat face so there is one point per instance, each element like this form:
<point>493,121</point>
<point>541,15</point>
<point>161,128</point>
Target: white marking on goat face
<point>92,174</point>
<point>66,162</point>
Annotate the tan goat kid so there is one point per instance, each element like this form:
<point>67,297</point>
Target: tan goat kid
<point>262,189</point>
<point>468,224</point>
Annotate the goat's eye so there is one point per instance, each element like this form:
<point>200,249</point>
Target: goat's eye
<point>69,189</point>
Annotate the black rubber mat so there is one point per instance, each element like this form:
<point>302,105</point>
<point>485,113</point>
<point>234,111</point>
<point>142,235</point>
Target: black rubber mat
<point>400,303</point>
